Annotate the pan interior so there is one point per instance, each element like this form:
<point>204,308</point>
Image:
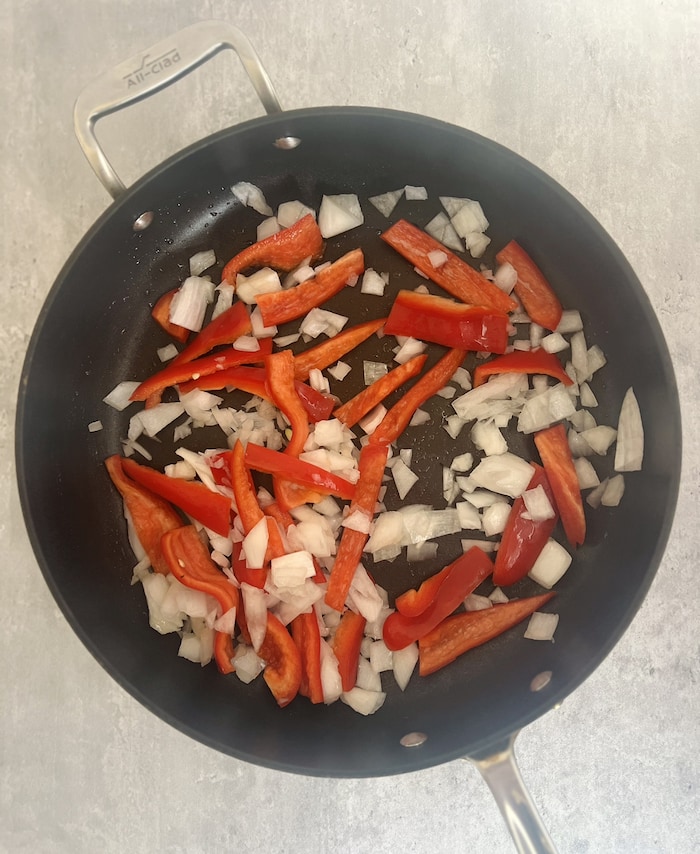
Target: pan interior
<point>95,330</point>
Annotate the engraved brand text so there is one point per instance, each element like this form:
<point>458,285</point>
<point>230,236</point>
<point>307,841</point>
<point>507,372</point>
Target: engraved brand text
<point>152,67</point>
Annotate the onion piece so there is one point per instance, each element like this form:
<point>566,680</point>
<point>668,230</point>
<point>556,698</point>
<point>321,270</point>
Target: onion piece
<point>320,320</point>
<point>267,228</point>
<point>363,701</point>
<point>255,606</point>
<point>380,657</point>
<point>485,545</point>
<point>264,281</point>
<point>339,371</point>
<point>95,426</point>
<point>226,623</point>
<point>420,417</point>
<point>599,438</point>
<point>537,504</point>
<point>120,396</point>
<point>570,322</point>
<point>152,421</point>
<point>363,595</point>
<point>542,626</point>
<point>255,545</point>
<point>373,283</point>
<point>494,518</point>
<point>488,438</point>
<point>415,193</point>
<point>543,410</point>
<point>404,662</point>
<point>190,648</point>
<point>551,563</point>
<point>367,678</point>
<point>437,258</point>
<point>289,213</point>
<point>587,477</point>
<point>338,214</point>
<point>613,492</point>
<point>374,371</point>
<point>404,478</point>
<point>202,261</point>
<point>292,569</point>
<point>190,303</point>
<point>474,602</point>
<point>629,452</point>
<point>504,473</point>
<point>247,663</point>
<point>416,552</point>
<point>468,515</point>
<point>443,231</point>
<point>554,343</point>
<point>330,677</point>
<point>463,462</point>
<point>476,243</point>
<point>498,597</point>
<point>506,277</point>
<point>251,196</point>
<point>386,202</point>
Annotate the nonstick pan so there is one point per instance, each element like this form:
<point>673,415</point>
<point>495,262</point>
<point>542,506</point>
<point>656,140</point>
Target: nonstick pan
<point>95,330</point>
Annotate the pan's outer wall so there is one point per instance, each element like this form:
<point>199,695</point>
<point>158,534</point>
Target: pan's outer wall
<point>90,335</point>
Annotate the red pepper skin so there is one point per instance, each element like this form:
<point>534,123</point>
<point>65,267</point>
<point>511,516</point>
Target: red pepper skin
<point>396,420</point>
<point>452,324</point>
<point>280,379</point>
<point>177,374</point>
<point>244,494</point>
<point>282,662</point>
<point>413,602</point>
<point>532,288</point>
<point>327,352</point>
<point>466,574</point>
<point>298,471</point>
<point>210,508</point>
<point>189,561</point>
<point>224,329</point>
<point>151,515</point>
<point>281,306</point>
<point>307,637</point>
<point>254,381</point>
<point>553,447</point>
<point>346,646</point>
<point>352,411</point>
<point>536,361</point>
<point>462,632</point>
<point>372,463</point>
<point>290,495</point>
<point>523,539</point>
<point>454,276</point>
<point>161,315</point>
<point>283,251</point>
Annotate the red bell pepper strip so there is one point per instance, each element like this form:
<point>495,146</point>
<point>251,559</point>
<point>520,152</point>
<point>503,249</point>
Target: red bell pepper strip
<point>283,251</point>
<point>210,508</point>
<point>466,574</point>
<point>307,637</point>
<point>189,561</point>
<point>532,288</point>
<point>290,495</point>
<point>462,632</point>
<point>371,464</point>
<point>151,515</point>
<point>346,646</point>
<point>244,494</point>
<point>244,574</point>
<point>280,379</point>
<point>536,361</point>
<point>523,538</point>
<point>396,420</point>
<point>553,447</point>
<point>298,471</point>
<point>212,364</point>
<point>283,662</point>
<point>281,306</point>
<point>446,322</point>
<point>327,352</point>
<point>352,411</point>
<point>454,276</point>
<point>224,329</point>
<point>254,381</point>
<point>161,315</point>
<point>413,602</point>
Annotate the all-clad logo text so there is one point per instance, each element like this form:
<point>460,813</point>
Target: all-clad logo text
<point>152,67</point>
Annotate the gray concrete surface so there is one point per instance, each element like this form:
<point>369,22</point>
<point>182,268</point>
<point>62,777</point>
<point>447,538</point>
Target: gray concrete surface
<point>604,97</point>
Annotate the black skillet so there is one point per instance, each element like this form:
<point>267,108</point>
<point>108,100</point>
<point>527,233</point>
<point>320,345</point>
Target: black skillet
<point>95,330</point>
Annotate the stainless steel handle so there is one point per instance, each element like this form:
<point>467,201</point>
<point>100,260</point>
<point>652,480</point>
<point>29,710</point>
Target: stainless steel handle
<point>502,775</point>
<point>154,69</point>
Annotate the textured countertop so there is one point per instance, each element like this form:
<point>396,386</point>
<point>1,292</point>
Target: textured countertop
<point>602,96</point>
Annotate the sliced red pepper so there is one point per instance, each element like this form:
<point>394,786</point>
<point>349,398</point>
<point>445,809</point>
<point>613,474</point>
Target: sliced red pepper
<point>244,574</point>
<point>371,465</point>
<point>281,306</point>
<point>346,646</point>
<point>462,632</point>
<point>244,494</point>
<point>151,515</point>
<point>307,637</point>
<point>182,373</point>
<point>466,574</point>
<point>283,251</point>
<point>190,562</point>
<point>210,508</point>
<point>280,380</point>
<point>413,602</point>
<point>555,453</point>
<point>161,315</point>
<point>224,329</point>
<point>536,361</point>
<point>254,381</point>
<point>523,538</point>
<point>532,288</point>
<point>298,471</point>
<point>352,411</point>
<point>327,352</point>
<point>396,420</point>
<point>283,662</point>
<point>454,276</point>
<point>446,322</point>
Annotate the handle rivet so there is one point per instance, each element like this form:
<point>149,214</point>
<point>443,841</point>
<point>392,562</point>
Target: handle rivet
<point>142,222</point>
<point>541,680</point>
<point>287,143</point>
<point>413,739</point>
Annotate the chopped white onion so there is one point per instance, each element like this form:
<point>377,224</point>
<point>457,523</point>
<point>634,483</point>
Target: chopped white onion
<point>543,410</point>
<point>339,371</point>
<point>494,518</point>
<point>629,452</point>
<point>409,348</point>
<point>485,545</point>
<point>469,518</point>
<point>586,474</point>
<point>374,371</point>
<point>247,663</point>
<point>386,202</point>
<point>570,322</point>
<point>373,419</point>
<point>255,606</point>
<point>338,214</point>
<point>542,626</point>
<point>504,473</point>
<point>498,597</point>
<point>551,563</point>
<point>463,462</point>
<point>190,303</point>
<point>443,231</point>
<point>291,570</point>
<point>488,438</point>
<point>613,492</point>
<point>404,478</point>
<point>537,504</point>
<point>506,277</point>
<point>152,421</point>
<point>267,228</point>
<point>363,701</point>
<point>599,438</point>
<point>437,258</point>
<point>373,283</point>
<point>474,602</point>
<point>404,662</point>
<point>319,320</point>
<point>330,677</point>
<point>476,243</point>
<point>249,288</point>
<point>120,396</point>
<point>363,595</point>
<point>202,261</point>
<point>554,343</point>
<point>420,417</point>
<point>94,426</point>
<point>290,212</point>
<point>252,196</point>
<point>367,677</point>
<point>255,544</point>
<point>226,623</point>
<point>415,193</point>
